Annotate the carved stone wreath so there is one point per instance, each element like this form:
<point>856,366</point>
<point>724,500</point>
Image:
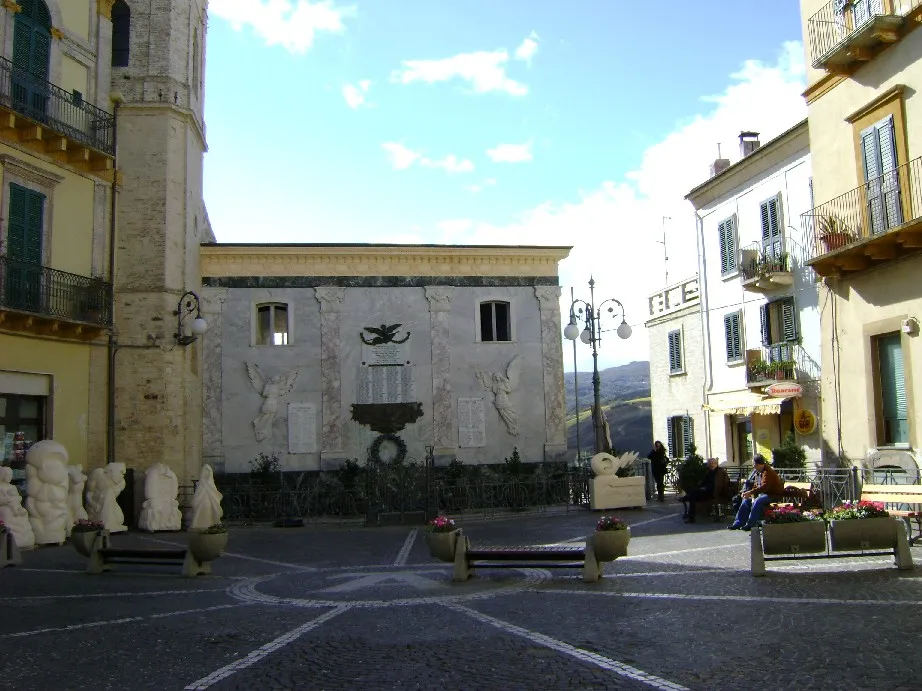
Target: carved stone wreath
<point>374,452</point>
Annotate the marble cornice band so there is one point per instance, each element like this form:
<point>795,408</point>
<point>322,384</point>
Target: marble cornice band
<point>378,281</point>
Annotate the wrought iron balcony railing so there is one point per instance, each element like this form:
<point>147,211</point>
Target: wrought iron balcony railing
<point>773,363</point>
<point>842,29</point>
<point>756,262</point>
<point>46,292</point>
<point>55,108</point>
<point>874,208</point>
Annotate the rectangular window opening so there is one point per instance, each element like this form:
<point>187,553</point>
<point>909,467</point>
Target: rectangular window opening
<point>272,325</point>
<point>495,322</point>
<point>893,417</point>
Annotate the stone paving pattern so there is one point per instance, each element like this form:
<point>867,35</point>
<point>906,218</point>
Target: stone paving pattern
<point>682,611</point>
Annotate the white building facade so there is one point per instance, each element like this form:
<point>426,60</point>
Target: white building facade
<point>759,301</point>
<point>676,366</point>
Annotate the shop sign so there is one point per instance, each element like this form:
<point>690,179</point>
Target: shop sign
<point>785,389</point>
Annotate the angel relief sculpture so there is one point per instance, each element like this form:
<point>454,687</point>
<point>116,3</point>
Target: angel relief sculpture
<point>271,391</point>
<point>502,385</point>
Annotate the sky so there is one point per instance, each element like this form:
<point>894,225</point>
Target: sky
<point>521,122</point>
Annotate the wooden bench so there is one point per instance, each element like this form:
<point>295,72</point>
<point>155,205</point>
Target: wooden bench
<point>910,495</point>
<point>538,557</point>
<point>103,556</point>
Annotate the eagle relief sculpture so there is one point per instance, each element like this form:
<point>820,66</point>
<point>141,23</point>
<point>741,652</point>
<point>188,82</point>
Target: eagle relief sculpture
<point>502,385</point>
<point>382,335</point>
<point>271,391</point>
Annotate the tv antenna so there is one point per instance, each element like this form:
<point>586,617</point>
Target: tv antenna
<point>665,253</point>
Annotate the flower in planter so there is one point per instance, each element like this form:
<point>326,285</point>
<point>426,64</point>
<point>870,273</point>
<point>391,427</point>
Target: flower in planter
<point>860,509</point>
<point>788,514</point>
<point>441,524</point>
<point>215,529</point>
<point>610,523</point>
<point>85,526</point>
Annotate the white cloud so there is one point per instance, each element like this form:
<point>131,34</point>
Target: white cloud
<point>510,153</point>
<point>355,93</point>
<point>614,228</point>
<point>402,157</point>
<point>485,71</point>
<point>527,48</point>
<point>293,24</point>
<point>479,187</point>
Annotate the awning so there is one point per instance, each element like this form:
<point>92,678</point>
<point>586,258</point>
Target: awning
<point>744,403</point>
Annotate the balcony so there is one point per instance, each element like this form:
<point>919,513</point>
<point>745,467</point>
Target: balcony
<point>845,32</point>
<point>770,365</point>
<point>38,299</point>
<point>48,119</point>
<point>764,273</point>
<point>877,222</point>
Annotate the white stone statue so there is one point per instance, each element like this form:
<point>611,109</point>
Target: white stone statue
<point>160,510</point>
<point>206,502</point>
<point>75,510</point>
<point>12,513</point>
<point>607,490</point>
<point>271,391</point>
<point>47,484</point>
<point>501,386</point>
<point>102,490</point>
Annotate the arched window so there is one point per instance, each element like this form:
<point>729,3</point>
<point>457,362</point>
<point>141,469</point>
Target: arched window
<point>196,62</point>
<point>121,33</point>
<point>31,57</point>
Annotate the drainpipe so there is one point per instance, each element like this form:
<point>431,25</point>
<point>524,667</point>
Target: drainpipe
<point>113,342</point>
<point>706,326</point>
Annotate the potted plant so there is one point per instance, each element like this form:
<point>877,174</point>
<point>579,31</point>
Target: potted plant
<point>208,544</point>
<point>789,454</point>
<point>611,538</point>
<point>84,534</point>
<point>441,536</point>
<point>861,525</point>
<point>835,233</point>
<point>788,530</point>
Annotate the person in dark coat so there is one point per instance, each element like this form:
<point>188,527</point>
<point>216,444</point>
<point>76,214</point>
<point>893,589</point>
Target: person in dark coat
<point>659,464</point>
<point>703,492</point>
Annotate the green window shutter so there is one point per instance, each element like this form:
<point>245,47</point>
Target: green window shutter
<point>765,324</point>
<point>788,320</point>
<point>22,44</point>
<point>675,351</point>
<point>727,239</point>
<point>670,436</point>
<point>893,389</point>
<point>16,233</point>
<point>688,435</point>
<point>733,335</point>
<point>772,235</point>
<point>41,53</point>
<point>26,227</point>
<point>878,146</point>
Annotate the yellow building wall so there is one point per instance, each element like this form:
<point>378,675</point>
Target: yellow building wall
<point>872,303</point>
<point>74,76</point>
<point>71,247</point>
<point>765,434</point>
<point>69,366</point>
<point>76,16</point>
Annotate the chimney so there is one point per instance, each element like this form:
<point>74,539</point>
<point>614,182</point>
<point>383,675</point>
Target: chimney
<point>720,164</point>
<point>749,142</point>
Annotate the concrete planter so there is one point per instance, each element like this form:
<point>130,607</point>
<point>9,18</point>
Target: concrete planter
<point>207,546</point>
<point>442,545</point>
<point>863,534</point>
<point>610,544</point>
<point>83,540</point>
<point>794,538</point>
<point>612,492</point>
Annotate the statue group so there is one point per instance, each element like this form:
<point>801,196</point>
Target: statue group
<point>55,498</point>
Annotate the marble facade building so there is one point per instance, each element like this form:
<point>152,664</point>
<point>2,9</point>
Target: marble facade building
<point>324,353</point>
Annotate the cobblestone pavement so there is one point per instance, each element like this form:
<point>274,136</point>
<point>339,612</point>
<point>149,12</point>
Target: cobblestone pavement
<point>350,608</point>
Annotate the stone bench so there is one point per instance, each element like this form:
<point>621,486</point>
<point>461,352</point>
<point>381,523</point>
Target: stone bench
<point>538,557</point>
<point>103,556</point>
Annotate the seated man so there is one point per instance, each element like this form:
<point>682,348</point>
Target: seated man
<point>747,485</point>
<point>703,492</point>
<point>767,488</point>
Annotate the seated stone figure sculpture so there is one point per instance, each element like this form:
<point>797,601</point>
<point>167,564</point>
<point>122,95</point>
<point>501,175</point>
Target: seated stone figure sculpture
<point>75,510</point>
<point>607,490</point>
<point>46,486</point>
<point>102,490</point>
<point>206,502</point>
<point>12,513</point>
<point>160,510</point>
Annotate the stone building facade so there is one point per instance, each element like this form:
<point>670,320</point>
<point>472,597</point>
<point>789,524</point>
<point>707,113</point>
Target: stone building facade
<point>323,353</point>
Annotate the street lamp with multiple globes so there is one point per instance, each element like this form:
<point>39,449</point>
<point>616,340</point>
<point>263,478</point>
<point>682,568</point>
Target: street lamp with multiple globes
<point>592,335</point>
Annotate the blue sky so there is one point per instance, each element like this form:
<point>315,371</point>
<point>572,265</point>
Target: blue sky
<point>536,122</point>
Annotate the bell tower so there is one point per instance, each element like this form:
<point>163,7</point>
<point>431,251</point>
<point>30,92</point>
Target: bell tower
<point>157,84</point>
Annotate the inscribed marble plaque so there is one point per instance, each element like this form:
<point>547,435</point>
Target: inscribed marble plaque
<point>388,384</point>
<point>471,428</point>
<point>302,428</point>
<point>384,354</point>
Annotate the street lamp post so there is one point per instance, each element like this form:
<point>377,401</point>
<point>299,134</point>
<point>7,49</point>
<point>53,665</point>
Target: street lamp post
<point>592,335</point>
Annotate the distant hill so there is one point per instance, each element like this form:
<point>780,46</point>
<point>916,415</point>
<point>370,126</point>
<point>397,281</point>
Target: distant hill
<point>625,395</point>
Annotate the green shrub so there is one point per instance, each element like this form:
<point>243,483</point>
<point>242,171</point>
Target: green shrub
<point>789,454</point>
<point>691,470</point>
